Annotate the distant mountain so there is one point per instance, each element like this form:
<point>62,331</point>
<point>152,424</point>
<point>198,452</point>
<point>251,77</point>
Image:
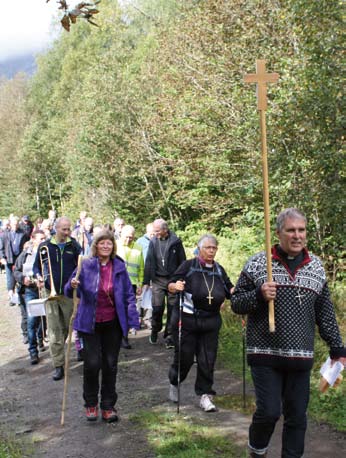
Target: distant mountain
<point>26,64</point>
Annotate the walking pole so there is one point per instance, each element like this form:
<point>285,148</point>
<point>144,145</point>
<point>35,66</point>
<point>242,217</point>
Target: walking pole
<point>179,344</point>
<point>261,78</point>
<point>243,326</point>
<point>67,356</point>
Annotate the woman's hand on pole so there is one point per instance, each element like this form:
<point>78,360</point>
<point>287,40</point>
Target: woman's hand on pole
<point>74,283</point>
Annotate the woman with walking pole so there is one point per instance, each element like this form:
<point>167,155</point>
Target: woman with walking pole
<point>206,286</point>
<point>106,311</point>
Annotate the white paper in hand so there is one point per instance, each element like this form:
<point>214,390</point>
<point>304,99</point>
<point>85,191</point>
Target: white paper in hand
<point>331,372</point>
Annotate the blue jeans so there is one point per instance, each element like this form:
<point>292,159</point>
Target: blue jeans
<point>275,388</point>
<point>10,281</point>
<point>34,323</point>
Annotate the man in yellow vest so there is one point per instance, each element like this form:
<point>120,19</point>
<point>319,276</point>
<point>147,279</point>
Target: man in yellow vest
<point>132,254</point>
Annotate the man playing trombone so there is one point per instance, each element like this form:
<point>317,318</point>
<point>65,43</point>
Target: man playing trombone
<point>55,261</point>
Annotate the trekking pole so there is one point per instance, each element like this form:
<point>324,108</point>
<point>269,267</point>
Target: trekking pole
<point>179,344</point>
<point>243,338</point>
<point>67,357</point>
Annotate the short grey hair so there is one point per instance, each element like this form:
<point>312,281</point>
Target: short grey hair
<point>162,223</point>
<point>62,219</point>
<point>288,213</point>
<point>206,237</point>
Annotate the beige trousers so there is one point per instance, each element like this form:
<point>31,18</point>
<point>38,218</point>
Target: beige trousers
<point>58,312</point>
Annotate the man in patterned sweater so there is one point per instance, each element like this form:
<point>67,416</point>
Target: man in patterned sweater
<point>281,361</point>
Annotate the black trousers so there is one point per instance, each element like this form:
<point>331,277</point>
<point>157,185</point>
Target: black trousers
<point>200,337</point>
<point>100,353</point>
<point>160,293</point>
<point>276,389</point>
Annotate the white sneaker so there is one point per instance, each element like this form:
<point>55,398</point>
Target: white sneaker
<point>173,393</point>
<point>206,404</point>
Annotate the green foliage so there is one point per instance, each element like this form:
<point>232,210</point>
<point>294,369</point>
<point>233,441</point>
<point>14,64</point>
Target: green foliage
<point>170,435</point>
<point>147,115</point>
<point>13,448</point>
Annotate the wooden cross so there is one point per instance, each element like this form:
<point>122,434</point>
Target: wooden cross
<point>262,78</point>
<point>209,297</point>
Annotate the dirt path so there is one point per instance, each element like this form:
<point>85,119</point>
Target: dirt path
<point>30,402</point>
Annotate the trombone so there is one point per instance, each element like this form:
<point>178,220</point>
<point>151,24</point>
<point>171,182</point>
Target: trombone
<point>45,261</point>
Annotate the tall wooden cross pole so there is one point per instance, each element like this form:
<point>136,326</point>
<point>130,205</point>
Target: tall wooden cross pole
<point>262,78</point>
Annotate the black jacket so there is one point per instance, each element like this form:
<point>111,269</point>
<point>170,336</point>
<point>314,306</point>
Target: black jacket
<point>175,255</point>
<point>62,263</point>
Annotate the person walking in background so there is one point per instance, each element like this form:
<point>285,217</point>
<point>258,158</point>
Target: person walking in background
<point>118,225</point>
<point>132,254</point>
<point>165,254</point>
<point>205,286</point>
<point>106,311</point>
<point>83,233</point>
<point>26,225</point>
<point>24,275</point>
<point>144,242</point>
<point>281,361</point>
<point>55,261</point>
<point>11,245</point>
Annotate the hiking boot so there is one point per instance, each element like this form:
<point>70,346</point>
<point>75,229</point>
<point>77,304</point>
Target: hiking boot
<point>169,343</point>
<point>110,415</point>
<point>59,373</point>
<point>34,359</point>
<point>173,393</point>
<point>125,343</point>
<point>153,338</point>
<point>41,346</point>
<point>206,404</point>
<point>91,413</point>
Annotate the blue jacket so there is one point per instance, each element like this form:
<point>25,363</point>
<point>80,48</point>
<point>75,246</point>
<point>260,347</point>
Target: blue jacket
<point>124,298</point>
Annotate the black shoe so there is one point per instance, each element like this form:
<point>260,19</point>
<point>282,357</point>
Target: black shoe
<point>125,343</point>
<point>169,343</point>
<point>153,338</point>
<point>34,359</point>
<point>59,373</point>
<point>41,346</point>
<point>80,355</point>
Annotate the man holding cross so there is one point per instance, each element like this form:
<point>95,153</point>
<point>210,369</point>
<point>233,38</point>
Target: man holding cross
<point>281,361</point>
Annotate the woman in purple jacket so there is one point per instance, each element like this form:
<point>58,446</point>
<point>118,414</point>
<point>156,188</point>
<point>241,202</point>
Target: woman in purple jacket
<point>106,311</point>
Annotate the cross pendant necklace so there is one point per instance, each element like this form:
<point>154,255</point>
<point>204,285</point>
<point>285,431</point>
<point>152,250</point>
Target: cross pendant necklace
<point>210,290</point>
<point>163,254</point>
<point>299,296</point>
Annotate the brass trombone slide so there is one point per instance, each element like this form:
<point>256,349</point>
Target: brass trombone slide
<point>45,258</point>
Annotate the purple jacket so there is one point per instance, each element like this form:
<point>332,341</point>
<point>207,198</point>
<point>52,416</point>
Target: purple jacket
<point>124,298</point>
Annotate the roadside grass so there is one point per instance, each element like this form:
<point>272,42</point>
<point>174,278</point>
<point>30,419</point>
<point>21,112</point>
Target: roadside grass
<point>183,437</point>
<point>13,448</point>
<point>236,402</point>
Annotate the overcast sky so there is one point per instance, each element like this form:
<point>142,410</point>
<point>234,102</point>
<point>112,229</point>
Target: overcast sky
<point>25,26</point>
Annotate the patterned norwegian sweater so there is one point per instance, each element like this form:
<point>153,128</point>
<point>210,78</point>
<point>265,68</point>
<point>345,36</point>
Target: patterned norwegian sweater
<point>302,302</point>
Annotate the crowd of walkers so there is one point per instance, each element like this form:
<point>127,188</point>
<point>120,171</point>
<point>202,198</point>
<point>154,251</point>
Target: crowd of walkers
<point>124,283</point>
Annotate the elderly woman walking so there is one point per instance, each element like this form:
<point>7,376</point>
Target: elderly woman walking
<point>106,311</point>
<point>205,285</point>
